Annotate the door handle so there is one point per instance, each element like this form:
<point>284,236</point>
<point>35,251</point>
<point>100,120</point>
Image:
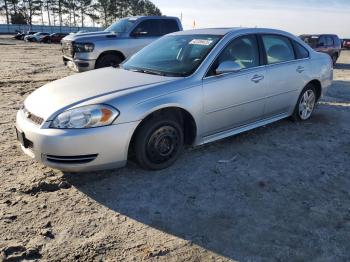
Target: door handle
<point>257,78</point>
<point>300,69</point>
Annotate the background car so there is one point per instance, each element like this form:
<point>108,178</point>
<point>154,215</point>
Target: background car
<point>325,43</point>
<point>53,38</point>
<point>346,43</point>
<point>187,88</point>
<point>21,35</point>
<point>35,37</point>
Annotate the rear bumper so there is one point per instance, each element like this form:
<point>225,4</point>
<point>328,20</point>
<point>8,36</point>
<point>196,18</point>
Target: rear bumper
<point>79,65</point>
<point>77,150</point>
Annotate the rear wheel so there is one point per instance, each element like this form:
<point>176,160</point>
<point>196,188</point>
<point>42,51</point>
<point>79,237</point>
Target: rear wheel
<point>108,60</point>
<point>158,142</point>
<point>306,104</point>
<point>334,59</point>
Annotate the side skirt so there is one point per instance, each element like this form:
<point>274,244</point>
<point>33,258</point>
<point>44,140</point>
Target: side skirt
<point>241,129</point>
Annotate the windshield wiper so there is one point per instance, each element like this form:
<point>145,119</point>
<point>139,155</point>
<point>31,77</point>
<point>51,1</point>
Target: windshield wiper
<point>147,71</point>
<point>153,72</point>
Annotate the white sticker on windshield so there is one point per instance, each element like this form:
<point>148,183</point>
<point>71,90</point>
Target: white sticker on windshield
<point>201,42</point>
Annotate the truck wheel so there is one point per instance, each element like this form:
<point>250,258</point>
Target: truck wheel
<point>334,58</point>
<point>108,60</point>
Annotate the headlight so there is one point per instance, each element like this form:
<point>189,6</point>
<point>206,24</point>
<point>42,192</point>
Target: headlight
<point>83,47</point>
<point>85,117</point>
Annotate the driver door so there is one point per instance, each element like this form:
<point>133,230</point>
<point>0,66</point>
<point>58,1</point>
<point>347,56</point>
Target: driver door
<point>235,99</point>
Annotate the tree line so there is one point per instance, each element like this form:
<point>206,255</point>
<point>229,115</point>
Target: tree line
<point>73,12</point>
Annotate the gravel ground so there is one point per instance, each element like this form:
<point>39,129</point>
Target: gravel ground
<point>283,194</point>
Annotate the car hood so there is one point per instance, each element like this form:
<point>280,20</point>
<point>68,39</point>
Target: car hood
<point>73,90</point>
<point>90,36</point>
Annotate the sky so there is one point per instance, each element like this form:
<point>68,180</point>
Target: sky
<point>295,16</point>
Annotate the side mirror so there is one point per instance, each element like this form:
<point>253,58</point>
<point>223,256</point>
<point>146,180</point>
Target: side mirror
<point>228,67</point>
<point>320,44</point>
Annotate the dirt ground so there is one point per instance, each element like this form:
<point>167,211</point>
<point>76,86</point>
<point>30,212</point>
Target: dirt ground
<point>283,194</point>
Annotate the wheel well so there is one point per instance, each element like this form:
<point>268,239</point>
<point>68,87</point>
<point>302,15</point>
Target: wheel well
<point>318,87</point>
<point>183,116</point>
<point>118,53</point>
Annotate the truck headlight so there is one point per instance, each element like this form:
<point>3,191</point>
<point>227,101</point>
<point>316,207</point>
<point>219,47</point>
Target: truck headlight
<point>85,117</point>
<point>83,47</point>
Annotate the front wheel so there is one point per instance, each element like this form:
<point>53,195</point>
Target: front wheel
<point>306,104</point>
<point>158,143</point>
<point>108,60</point>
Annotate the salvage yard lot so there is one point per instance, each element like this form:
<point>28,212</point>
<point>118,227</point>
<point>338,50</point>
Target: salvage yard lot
<point>277,193</point>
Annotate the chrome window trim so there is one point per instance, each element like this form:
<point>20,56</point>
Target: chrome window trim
<point>242,71</point>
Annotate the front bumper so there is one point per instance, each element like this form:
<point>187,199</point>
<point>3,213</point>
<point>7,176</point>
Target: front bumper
<point>79,65</point>
<point>109,145</point>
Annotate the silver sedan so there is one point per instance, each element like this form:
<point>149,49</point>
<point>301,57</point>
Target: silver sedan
<point>187,88</point>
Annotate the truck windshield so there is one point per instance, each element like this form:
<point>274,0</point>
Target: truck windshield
<point>122,26</point>
<point>173,55</point>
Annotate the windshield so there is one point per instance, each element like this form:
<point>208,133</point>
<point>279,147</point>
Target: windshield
<point>174,55</point>
<point>122,26</point>
<point>310,40</point>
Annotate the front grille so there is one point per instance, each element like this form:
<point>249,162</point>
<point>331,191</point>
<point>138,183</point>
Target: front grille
<point>35,119</point>
<point>67,48</point>
<point>82,159</point>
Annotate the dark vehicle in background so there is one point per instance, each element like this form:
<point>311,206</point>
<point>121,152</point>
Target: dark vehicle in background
<point>325,43</point>
<point>346,43</point>
<point>53,38</point>
<point>35,37</point>
<point>21,35</point>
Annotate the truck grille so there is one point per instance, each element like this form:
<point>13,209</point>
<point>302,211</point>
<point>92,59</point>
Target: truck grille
<point>67,48</point>
<point>35,119</point>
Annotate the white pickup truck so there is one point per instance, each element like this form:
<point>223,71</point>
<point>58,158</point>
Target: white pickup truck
<point>87,51</point>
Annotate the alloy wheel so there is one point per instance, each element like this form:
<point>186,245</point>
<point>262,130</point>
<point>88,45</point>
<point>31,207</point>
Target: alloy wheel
<point>307,104</point>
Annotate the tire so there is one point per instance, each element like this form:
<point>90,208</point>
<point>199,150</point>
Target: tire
<point>334,59</point>
<point>306,104</point>
<point>108,60</point>
<point>158,142</point>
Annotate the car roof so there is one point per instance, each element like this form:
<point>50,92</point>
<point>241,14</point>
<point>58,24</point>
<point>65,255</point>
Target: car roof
<point>153,16</point>
<point>229,30</point>
<point>320,35</point>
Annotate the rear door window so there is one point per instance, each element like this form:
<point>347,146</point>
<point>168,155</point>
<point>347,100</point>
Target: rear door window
<point>322,41</point>
<point>329,41</point>
<point>278,49</point>
<point>150,27</point>
<point>169,26</point>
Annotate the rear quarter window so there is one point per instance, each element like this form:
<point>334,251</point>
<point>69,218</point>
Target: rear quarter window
<point>300,51</point>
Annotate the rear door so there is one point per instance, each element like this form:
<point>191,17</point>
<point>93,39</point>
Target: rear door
<point>286,74</point>
<point>330,45</point>
<point>322,44</point>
